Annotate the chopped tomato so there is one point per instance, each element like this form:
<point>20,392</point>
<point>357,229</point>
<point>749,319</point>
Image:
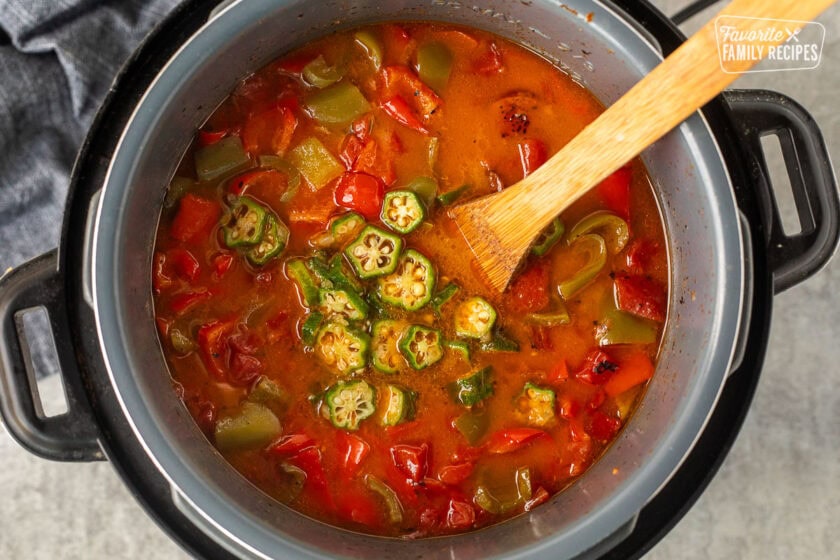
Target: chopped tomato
<point>352,450</point>
<point>411,460</point>
<point>532,154</point>
<point>361,127</point>
<point>490,61</point>
<point>460,515</point>
<point>455,474</point>
<point>360,192</point>
<point>640,254</point>
<point>560,372</point>
<point>269,132</point>
<point>635,369</point>
<point>364,156</point>
<point>400,41</point>
<point>212,342</point>
<point>398,109</point>
<point>597,399</point>
<point>529,291</point>
<point>615,191</point>
<point>604,427</point>
<point>641,296</point>
<point>185,264</point>
<point>568,408</point>
<point>597,368</point>
<point>222,263</point>
<point>509,440</point>
<point>358,506</point>
<point>183,302</point>
<point>195,219</point>
<point>208,137</point>
<point>291,444</point>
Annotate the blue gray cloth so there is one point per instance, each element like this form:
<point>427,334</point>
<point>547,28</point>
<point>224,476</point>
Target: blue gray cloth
<point>58,59</point>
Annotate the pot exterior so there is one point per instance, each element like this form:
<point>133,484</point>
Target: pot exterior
<point>604,53</point>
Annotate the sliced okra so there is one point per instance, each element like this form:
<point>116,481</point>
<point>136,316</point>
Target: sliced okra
<point>341,275</point>
<point>343,302</point>
<point>346,227</point>
<point>444,296</point>
<point>402,211</point>
<point>341,347</point>
<point>535,405</point>
<point>350,402</point>
<point>399,405</point>
<point>500,342</point>
<point>474,318</point>
<point>310,326</point>
<point>461,348</point>
<point>297,270</point>
<point>375,252</point>
<point>549,237</point>
<point>473,388</point>
<point>421,346</point>
<point>410,286</point>
<point>385,354</point>
<point>273,242</point>
<point>245,223</point>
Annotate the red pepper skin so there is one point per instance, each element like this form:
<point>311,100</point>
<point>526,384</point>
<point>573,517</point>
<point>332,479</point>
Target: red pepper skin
<point>183,302</point>
<point>291,444</point>
<point>507,441</point>
<point>360,192</point>
<point>352,450</point>
<point>529,291</point>
<point>454,475</point>
<point>460,515</point>
<point>597,368</point>
<point>532,154</point>
<point>195,219</point>
<point>614,191</point>
<point>398,109</point>
<point>641,296</point>
<point>411,460</point>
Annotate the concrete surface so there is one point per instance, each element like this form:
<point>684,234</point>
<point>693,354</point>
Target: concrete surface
<point>777,495</point>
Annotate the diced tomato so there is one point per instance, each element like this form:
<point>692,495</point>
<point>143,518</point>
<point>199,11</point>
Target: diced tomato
<point>455,474</point>
<point>352,450</point>
<point>460,515</point>
<point>509,440</point>
<point>576,430</point>
<point>183,302</point>
<point>160,279</point>
<point>411,460</point>
<point>597,399</point>
<point>640,254</point>
<point>529,291</point>
<point>360,192</point>
<point>532,154</point>
<point>269,132</point>
<point>185,264</point>
<point>540,496</point>
<point>490,62</point>
<point>291,444</point>
<point>581,454</point>
<point>568,408</point>
<point>541,337</point>
<point>195,219</point>
<point>350,150</point>
<point>559,373</point>
<point>398,109</point>
<point>604,427</point>
<point>362,126</point>
<point>208,137</point>
<point>222,263</point>
<point>615,191</point>
<point>641,296</point>
<point>635,369</point>
<point>244,368</point>
<point>212,342</point>
<point>597,368</point>
<point>309,461</point>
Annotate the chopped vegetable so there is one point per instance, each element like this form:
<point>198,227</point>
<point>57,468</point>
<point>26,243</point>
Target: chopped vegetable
<point>346,227</point>
<point>253,425</point>
<point>341,347</point>
<point>618,327</point>
<point>374,253</point>
<point>410,286</point>
<point>398,109</point>
<point>342,302</point>
<point>500,342</point>
<point>549,237</point>
<point>614,191</point>
<point>340,274</point>
<point>320,74</point>
<point>474,388</point>
<point>315,162</point>
<point>385,335</point>
<point>402,211</point>
<point>223,157</point>
<point>421,346</point>
<point>529,290</point>
<point>245,225</point>
<point>392,502</point>
<point>444,296</point>
<point>425,188</point>
<point>595,249</point>
<point>274,240</point>
<point>532,154</point>
<point>609,225</point>
<point>474,318</point>
<point>452,196</point>
<point>291,172</point>
<point>310,326</point>
<point>634,370</point>
<point>360,192</point>
<point>535,405</point>
<point>296,270</point>
<point>434,63</point>
<point>559,316</point>
<point>337,104</point>
<point>411,460</point>
<point>640,296</point>
<point>195,218</point>
<point>461,347</point>
<point>266,392</point>
<point>399,405</point>
<point>473,425</point>
<point>513,439</point>
<point>178,187</point>
<point>349,403</point>
<point>181,343</point>
<point>372,47</point>
<point>499,495</point>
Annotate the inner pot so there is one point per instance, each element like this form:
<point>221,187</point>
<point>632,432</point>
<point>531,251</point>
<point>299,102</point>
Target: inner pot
<point>603,51</point>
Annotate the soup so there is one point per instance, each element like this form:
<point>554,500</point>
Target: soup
<point>321,315</point>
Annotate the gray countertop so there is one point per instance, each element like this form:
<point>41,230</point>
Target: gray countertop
<point>776,496</point>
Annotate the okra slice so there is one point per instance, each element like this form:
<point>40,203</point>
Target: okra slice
<point>399,405</point>
<point>341,275</point>
<point>349,403</point>
<point>549,237</point>
<point>245,223</point>
<point>402,211</point>
<point>473,388</point>
<point>273,242</point>
<point>535,405</point>
<point>343,302</point>
<point>474,318</point>
<point>296,270</point>
<point>374,253</point>
<point>421,346</point>
<point>310,326</point>
<point>410,286</point>
<point>460,347</point>
<point>341,347</point>
<point>346,227</point>
<point>500,342</point>
<point>385,353</point>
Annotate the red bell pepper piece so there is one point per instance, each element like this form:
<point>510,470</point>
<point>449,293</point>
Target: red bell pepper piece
<point>184,263</point>
<point>411,460</point>
<point>291,444</point>
<point>509,440</point>
<point>212,343</point>
<point>400,80</point>
<point>352,450</point>
<point>295,64</point>
<point>460,515</point>
<point>559,373</point>
<point>640,254</point>
<point>615,191</point>
<point>208,137</point>
<point>195,219</point>
<point>532,154</point>
<point>360,192</point>
<point>358,506</point>
<point>222,263</point>
<point>455,474</point>
<point>597,368</point>
<point>183,302</point>
<point>635,369</point>
<point>529,291</point>
<point>641,296</point>
<point>398,109</point>
<point>310,462</point>
<point>603,427</point>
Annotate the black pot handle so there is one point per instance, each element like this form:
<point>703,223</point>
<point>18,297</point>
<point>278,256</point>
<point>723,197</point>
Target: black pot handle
<point>73,435</point>
<point>792,258</point>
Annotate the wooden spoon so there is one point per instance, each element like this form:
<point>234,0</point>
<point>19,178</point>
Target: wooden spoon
<point>500,228</point>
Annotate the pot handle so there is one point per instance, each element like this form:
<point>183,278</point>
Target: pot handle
<point>792,258</point>
<point>73,435</point>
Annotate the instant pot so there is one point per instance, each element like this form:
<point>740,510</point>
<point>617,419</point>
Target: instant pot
<point>728,255</point>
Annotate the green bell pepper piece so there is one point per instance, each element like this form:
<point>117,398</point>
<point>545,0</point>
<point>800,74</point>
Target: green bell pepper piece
<point>266,392</point>
<point>434,64</point>
<point>310,326</point>
<point>500,343</point>
<point>444,296</point>
<point>421,346</point>
<point>385,354</point>
<point>274,240</point>
<point>499,492</point>
<point>595,247</point>
<point>559,316</point>
<point>402,211</point>
<point>296,270</point>
<point>392,501</point>
<point>411,285</point>
<point>375,252</point>
<point>452,196</point>
<point>337,104</point>
<point>549,237</point>
<point>425,188</point>
<point>474,318</point>
<point>473,388</point>
<point>253,426</point>
<point>619,327</point>
<point>245,223</point>
<point>473,425</point>
<point>342,302</point>
<point>607,224</point>
<point>341,347</point>
<point>372,47</point>
<point>181,343</point>
<point>399,405</point>
<point>224,157</point>
<point>350,402</point>
<point>320,74</point>
<point>178,187</point>
<point>315,162</point>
